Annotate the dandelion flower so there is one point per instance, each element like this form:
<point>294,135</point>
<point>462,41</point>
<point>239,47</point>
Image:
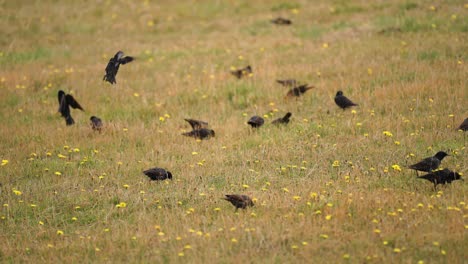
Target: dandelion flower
<point>59,232</point>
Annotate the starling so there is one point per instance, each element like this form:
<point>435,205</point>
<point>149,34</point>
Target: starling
<point>464,126</point>
<point>283,120</point>
<point>96,123</point>
<point>299,90</point>
<point>113,66</point>
<point>196,124</point>
<point>239,201</point>
<point>281,21</point>
<point>343,101</point>
<point>429,164</point>
<point>158,174</point>
<point>202,133</point>
<point>65,101</point>
<point>256,121</point>
<point>239,73</point>
<point>287,82</point>
<point>441,177</point>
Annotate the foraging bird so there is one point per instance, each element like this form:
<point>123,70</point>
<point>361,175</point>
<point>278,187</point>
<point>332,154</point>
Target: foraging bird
<point>282,120</point>
<point>287,82</point>
<point>430,163</point>
<point>158,174</point>
<point>96,123</point>
<point>202,133</point>
<point>299,90</point>
<point>113,66</point>
<point>464,126</point>
<point>441,177</point>
<point>239,201</point>
<point>343,101</point>
<point>281,21</point>
<point>65,101</point>
<point>239,73</point>
<point>196,124</point>
<point>256,121</point>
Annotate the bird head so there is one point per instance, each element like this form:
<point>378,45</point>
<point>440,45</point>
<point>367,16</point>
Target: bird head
<point>169,175</point>
<point>339,93</point>
<point>212,133</point>
<point>441,155</point>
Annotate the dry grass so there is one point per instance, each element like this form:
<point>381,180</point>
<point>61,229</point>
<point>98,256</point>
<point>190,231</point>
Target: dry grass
<point>411,82</point>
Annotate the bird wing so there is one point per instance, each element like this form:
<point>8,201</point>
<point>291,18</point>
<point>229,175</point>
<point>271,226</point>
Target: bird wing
<point>73,103</point>
<point>126,59</point>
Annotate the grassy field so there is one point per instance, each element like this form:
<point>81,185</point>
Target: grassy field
<point>330,187</point>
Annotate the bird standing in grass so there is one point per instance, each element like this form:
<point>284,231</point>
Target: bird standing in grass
<point>430,163</point>
<point>256,121</point>
<point>299,90</point>
<point>65,101</point>
<point>96,123</point>
<point>282,120</point>
<point>441,177</point>
<point>281,21</point>
<point>113,66</point>
<point>158,174</point>
<point>343,101</point>
<point>202,133</point>
<point>239,200</point>
<point>239,73</point>
<point>464,126</point>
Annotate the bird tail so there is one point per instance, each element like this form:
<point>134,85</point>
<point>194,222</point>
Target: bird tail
<point>287,116</point>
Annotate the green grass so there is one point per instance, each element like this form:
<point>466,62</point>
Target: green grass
<point>326,187</point>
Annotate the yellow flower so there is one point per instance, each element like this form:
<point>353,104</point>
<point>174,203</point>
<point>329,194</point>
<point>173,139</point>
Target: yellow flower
<point>396,250</point>
<point>336,163</point>
<point>388,133</point>
<point>396,167</point>
<point>58,173</point>
<point>4,162</point>
<point>17,192</point>
<point>59,232</point>
<point>121,205</point>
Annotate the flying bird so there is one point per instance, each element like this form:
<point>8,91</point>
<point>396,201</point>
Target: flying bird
<point>96,123</point>
<point>65,101</point>
<point>256,121</point>
<point>113,66</point>
<point>281,21</point>
<point>239,73</point>
<point>158,174</point>
<point>343,101</point>
<point>441,177</point>
<point>196,124</point>
<point>464,126</point>
<point>239,201</point>
<point>282,120</point>
<point>299,90</point>
<point>430,163</point>
<point>202,133</point>
<point>287,82</point>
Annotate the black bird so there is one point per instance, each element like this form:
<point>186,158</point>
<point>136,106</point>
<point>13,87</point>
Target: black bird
<point>299,90</point>
<point>464,126</point>
<point>282,120</point>
<point>202,133</point>
<point>256,121</point>
<point>196,124</point>
<point>441,177</point>
<point>287,82</point>
<point>96,123</point>
<point>239,200</point>
<point>343,101</point>
<point>158,174</point>
<point>281,21</point>
<point>113,66</point>
<point>65,101</point>
<point>239,73</point>
<point>430,163</point>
